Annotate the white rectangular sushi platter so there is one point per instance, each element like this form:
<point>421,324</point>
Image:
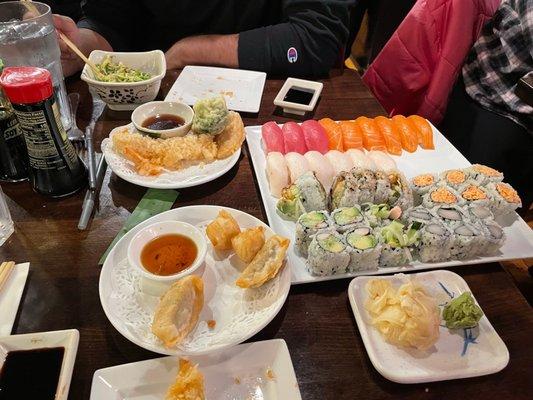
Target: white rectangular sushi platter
<point>519,237</point>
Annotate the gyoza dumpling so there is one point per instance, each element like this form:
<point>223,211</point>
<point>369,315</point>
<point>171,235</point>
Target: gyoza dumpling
<point>178,310</point>
<point>265,264</point>
<point>221,230</point>
<point>247,243</point>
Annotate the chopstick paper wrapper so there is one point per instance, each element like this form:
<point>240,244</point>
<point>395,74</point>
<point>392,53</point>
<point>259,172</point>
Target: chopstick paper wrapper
<point>154,201</point>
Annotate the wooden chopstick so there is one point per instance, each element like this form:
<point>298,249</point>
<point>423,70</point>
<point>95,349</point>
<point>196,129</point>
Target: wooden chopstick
<point>5,271</point>
<point>31,7</point>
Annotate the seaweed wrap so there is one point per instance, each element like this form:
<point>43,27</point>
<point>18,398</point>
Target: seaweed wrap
<point>504,199</point>
<point>304,195</point>
<point>307,225</point>
<point>364,249</point>
<point>327,254</point>
<point>346,218</point>
<point>351,188</point>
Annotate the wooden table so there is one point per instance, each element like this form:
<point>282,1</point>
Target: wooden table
<point>316,321</point>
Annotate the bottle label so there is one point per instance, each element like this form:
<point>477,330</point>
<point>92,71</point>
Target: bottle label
<point>10,126</point>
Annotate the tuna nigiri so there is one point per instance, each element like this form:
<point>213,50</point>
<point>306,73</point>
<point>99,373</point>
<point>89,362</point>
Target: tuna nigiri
<point>391,135</point>
<point>361,160</point>
<point>425,133</point>
<point>408,133</point>
<point>320,165</point>
<point>272,137</point>
<point>352,137</point>
<point>383,161</point>
<point>277,173</point>
<point>333,132</point>
<point>297,165</point>
<point>315,136</point>
<point>372,137</point>
<point>293,137</point>
<point>339,161</point>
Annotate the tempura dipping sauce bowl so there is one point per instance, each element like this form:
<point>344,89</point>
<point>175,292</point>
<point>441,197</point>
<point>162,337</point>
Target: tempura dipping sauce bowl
<point>155,109</point>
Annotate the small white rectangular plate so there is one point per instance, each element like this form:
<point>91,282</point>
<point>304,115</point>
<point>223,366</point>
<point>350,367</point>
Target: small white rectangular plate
<point>458,353</point>
<point>519,242</point>
<point>239,372</point>
<point>69,339</point>
<point>10,296</point>
<point>242,89</point>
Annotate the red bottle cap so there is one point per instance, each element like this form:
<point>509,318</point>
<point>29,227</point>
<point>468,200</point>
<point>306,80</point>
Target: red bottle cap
<point>26,85</point>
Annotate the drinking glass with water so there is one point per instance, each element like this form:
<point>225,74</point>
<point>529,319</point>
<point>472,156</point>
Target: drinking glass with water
<point>6,223</point>
<point>29,40</point>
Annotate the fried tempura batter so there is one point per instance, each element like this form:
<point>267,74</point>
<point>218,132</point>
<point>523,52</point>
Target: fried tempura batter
<point>189,383</point>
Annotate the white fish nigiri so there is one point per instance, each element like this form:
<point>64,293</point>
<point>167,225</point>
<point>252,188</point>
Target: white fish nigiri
<point>319,164</point>
<point>383,161</point>
<point>297,165</point>
<point>360,160</point>
<point>277,173</point>
<point>339,161</point>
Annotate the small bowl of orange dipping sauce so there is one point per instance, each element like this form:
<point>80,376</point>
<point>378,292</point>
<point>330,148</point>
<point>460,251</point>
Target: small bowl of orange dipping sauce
<point>166,251</point>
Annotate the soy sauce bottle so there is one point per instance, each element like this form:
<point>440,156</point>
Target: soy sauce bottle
<point>13,154</point>
<point>54,167</point>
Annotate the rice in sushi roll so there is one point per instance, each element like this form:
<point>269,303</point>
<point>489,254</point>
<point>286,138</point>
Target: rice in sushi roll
<point>423,183</point>
<point>327,255</point>
<point>471,193</point>
<point>364,249</point>
<point>452,216</point>
<point>467,241</point>
<point>435,242</point>
<point>483,174</point>
<point>383,188</point>
<point>396,238</point>
<point>454,178</point>
<point>350,188</point>
<point>346,218</point>
<point>494,236</point>
<point>504,199</point>
<point>441,196</point>
<point>305,195</point>
<point>307,225</point>
<point>400,191</point>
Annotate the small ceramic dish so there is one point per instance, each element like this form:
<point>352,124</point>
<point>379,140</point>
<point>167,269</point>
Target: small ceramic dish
<point>310,89</point>
<point>68,339</point>
<point>153,284</point>
<point>155,108</point>
<point>128,95</point>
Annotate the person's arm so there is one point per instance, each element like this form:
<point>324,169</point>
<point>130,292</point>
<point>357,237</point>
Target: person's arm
<point>220,50</point>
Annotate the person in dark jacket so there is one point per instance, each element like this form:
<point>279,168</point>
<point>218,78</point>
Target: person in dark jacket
<point>280,37</point>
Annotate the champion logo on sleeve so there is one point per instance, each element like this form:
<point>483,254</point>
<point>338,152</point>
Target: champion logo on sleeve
<point>292,55</point>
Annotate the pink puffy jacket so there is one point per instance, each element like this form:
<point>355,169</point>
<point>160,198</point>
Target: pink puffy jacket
<point>415,71</point>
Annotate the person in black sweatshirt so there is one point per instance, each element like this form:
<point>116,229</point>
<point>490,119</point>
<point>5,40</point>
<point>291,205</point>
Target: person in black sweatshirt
<point>280,37</point>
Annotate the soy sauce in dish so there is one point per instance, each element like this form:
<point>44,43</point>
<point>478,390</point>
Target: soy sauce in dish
<point>31,374</point>
<point>161,122</point>
<point>168,254</point>
<point>299,95</point>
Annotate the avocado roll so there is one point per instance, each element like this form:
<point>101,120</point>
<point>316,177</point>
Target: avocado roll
<point>364,249</point>
<point>467,241</point>
<point>421,184</point>
<point>435,242</point>
<point>504,199</point>
<point>494,237</point>
<point>346,218</point>
<point>441,196</point>
<point>400,191</point>
<point>350,188</point>
<point>304,195</point>
<point>383,187</point>
<point>327,255</point>
<point>472,193</point>
<point>484,175</point>
<point>454,178</point>
<point>396,239</point>
<point>307,225</point>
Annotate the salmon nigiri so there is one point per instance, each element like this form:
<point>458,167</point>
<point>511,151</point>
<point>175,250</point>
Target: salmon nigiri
<point>391,135</point>
<point>372,137</point>
<point>407,133</point>
<point>315,136</point>
<point>333,132</point>
<point>272,137</point>
<point>425,133</point>
<point>293,137</point>
<point>352,137</point>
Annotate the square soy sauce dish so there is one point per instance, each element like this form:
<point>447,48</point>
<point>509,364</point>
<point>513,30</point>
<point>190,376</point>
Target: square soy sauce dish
<point>298,96</point>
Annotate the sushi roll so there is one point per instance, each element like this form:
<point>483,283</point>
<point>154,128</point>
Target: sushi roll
<point>441,196</point>
<point>483,174</point>
<point>435,242</point>
<point>297,165</point>
<point>451,216</point>
<point>308,225</point>
<point>494,237</point>
<point>418,214</point>
<point>364,249</point>
<point>350,188</point>
<point>378,215</point>
<point>327,255</point>
<point>472,193</point>
<point>383,161</point>
<point>277,173</point>
<point>383,188</point>
<point>272,138</point>
<point>339,161</point>
<point>504,199</point>
<point>305,195</point>
<point>454,178</point>
<point>396,239</point>
<point>320,165</point>
<point>467,241</point>
<point>315,136</point>
<point>346,218</point>
<point>477,212</point>
<point>421,184</point>
<point>361,160</point>
<point>401,194</point>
